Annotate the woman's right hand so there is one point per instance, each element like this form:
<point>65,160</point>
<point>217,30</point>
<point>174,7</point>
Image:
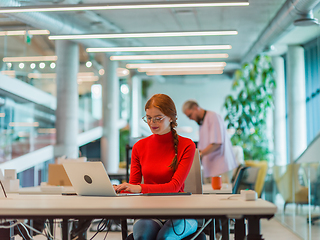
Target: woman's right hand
<point>128,188</point>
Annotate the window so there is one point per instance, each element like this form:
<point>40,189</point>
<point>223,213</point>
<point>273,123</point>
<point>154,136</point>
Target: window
<point>312,88</point>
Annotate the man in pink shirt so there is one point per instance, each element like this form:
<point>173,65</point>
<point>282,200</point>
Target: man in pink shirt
<point>214,143</point>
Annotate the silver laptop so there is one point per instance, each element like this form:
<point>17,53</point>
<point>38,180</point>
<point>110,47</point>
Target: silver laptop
<point>90,179</point>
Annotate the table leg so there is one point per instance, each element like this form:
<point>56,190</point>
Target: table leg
<point>254,228</point>
<point>64,229</point>
<point>7,233</point>
<point>212,228</point>
<point>239,229</point>
<point>31,224</point>
<point>51,226</point>
<point>124,228</point>
<point>225,228</point>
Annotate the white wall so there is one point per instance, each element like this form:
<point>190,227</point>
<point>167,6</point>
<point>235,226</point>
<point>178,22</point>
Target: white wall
<point>210,92</point>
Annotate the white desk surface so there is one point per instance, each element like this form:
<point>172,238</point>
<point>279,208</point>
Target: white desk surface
<point>207,188</point>
<point>50,190</point>
<point>193,205</point>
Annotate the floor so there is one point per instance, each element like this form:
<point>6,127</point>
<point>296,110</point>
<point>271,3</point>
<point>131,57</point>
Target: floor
<point>270,230</point>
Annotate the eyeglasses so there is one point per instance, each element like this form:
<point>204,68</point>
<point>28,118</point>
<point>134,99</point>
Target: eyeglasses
<point>154,119</point>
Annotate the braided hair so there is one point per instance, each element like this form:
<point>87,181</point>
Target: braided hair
<point>165,104</point>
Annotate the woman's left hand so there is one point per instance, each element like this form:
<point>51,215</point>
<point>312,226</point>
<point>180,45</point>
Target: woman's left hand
<point>128,187</point>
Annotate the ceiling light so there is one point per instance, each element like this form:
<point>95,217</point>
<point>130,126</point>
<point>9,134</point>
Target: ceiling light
<point>143,35</point>
<point>32,65</point>
<point>52,65</point>
<point>179,69</point>
<point>184,73</point>
<point>124,89</point>
<point>96,91</point>
<point>163,48</point>
<point>23,124</point>
<point>30,59</point>
<point>10,73</point>
<point>306,20</point>
<point>119,6</point>
<point>42,75</point>
<point>2,114</point>
<point>42,65</point>
<point>176,65</point>
<point>173,56</point>
<point>9,65</point>
<point>88,64</point>
<point>21,65</point>
<point>24,32</point>
<point>87,79</point>
<point>47,130</point>
<point>53,75</point>
<point>122,72</point>
<point>101,72</point>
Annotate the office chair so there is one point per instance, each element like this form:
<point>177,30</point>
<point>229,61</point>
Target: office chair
<point>193,182</point>
<point>289,186</point>
<point>237,179</point>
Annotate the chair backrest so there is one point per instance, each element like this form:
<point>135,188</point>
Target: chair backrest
<point>237,179</point>
<point>287,180</point>
<point>193,182</point>
<point>263,168</point>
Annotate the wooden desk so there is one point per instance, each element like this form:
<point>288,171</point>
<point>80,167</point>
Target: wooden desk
<point>193,206</point>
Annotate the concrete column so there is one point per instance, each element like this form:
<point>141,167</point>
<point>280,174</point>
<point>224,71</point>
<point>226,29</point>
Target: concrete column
<point>67,99</point>
<point>136,106</point>
<point>110,116</point>
<point>279,113</point>
<point>296,101</point>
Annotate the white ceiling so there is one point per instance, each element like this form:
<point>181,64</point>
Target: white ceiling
<point>250,22</point>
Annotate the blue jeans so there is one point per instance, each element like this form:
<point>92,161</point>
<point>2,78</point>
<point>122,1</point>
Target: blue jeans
<point>154,229</point>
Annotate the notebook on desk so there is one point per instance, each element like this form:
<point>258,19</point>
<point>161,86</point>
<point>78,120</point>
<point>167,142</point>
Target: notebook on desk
<point>90,179</point>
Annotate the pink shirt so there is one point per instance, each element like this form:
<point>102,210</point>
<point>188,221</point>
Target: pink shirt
<point>211,131</point>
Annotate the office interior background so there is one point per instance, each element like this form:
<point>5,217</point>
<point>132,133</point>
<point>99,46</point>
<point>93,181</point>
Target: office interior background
<point>70,86</point>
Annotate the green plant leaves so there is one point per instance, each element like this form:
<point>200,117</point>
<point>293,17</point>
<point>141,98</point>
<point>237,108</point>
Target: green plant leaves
<point>247,113</point>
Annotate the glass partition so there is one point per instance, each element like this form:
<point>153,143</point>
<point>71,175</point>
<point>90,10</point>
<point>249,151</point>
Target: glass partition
<point>296,192</point>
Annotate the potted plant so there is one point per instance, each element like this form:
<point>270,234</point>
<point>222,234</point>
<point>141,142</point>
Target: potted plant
<point>247,112</point>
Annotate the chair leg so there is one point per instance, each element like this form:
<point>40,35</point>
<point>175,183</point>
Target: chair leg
<point>284,207</point>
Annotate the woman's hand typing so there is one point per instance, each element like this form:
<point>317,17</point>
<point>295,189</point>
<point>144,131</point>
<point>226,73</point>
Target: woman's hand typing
<point>127,187</point>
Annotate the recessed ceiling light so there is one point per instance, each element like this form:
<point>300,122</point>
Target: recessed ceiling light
<point>21,65</point>
<point>120,6</point>
<point>162,48</point>
<point>52,65</point>
<point>122,72</point>
<point>101,72</point>
<point>88,64</point>
<point>32,65</point>
<point>124,89</point>
<point>42,65</point>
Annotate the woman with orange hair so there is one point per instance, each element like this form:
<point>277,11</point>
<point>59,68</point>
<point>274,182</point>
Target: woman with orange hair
<point>163,160</point>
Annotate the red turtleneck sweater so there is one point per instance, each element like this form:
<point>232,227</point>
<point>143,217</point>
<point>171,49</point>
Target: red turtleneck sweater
<point>151,158</point>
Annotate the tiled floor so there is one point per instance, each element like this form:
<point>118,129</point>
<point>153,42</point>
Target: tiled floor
<point>271,230</point>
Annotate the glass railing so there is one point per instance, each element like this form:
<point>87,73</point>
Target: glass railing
<point>295,190</point>
<point>26,126</point>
